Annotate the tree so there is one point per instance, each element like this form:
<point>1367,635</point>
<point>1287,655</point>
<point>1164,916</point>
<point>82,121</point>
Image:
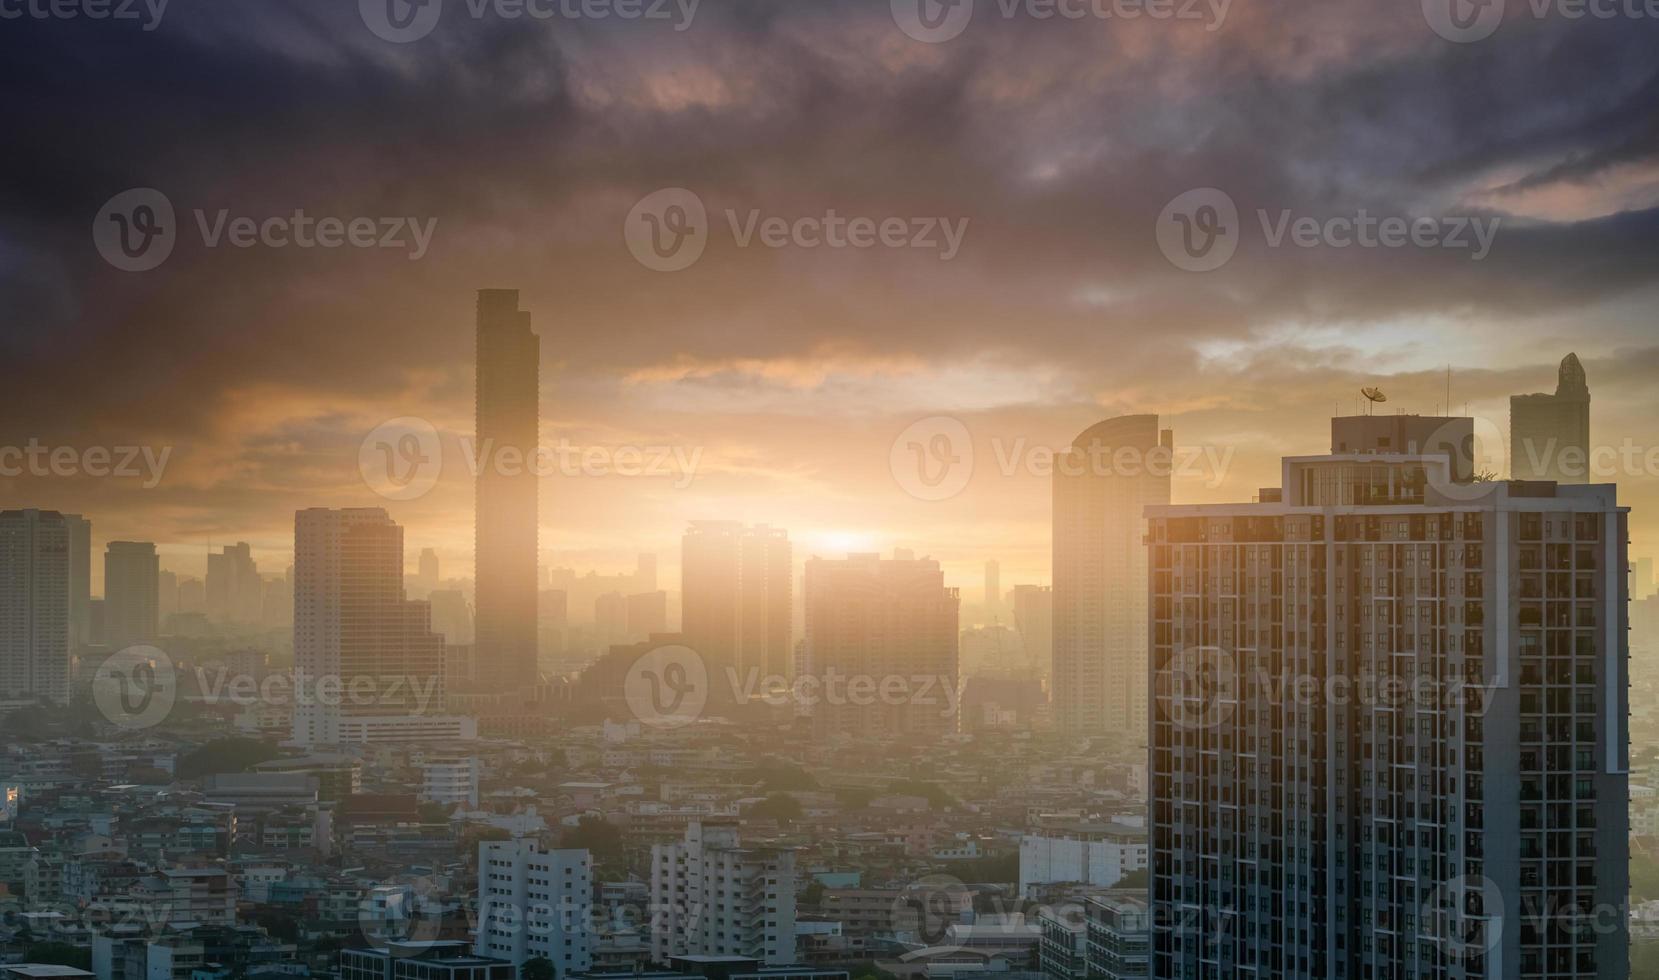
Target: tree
<point>536,968</point>
<point>59,954</point>
<point>779,806</point>
<point>225,755</point>
<point>598,836</point>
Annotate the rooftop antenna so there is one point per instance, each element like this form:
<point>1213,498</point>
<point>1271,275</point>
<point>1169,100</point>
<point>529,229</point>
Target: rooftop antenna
<point>1375,396</point>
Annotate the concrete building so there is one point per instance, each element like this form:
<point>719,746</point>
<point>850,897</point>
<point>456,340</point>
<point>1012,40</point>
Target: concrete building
<point>367,666</point>
<point>881,646</point>
<point>80,581</point>
<point>736,597</point>
<point>1087,854</point>
<point>505,524</point>
<point>1391,733</point>
<point>1549,435</point>
<point>425,960</point>
<point>132,593</point>
<point>1117,937</point>
<point>34,604</point>
<point>713,897</point>
<point>533,903</point>
<point>1102,485</point>
<point>449,779</point>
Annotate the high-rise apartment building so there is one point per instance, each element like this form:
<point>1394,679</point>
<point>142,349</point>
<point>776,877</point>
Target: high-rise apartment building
<point>235,592</point>
<point>80,581</point>
<point>505,523</point>
<point>132,593</point>
<point>534,903</point>
<point>736,597</point>
<point>34,604</point>
<point>890,627</point>
<point>1102,486</point>
<point>367,665</point>
<point>1390,734</point>
<point>1549,435</point>
<point>711,896</point>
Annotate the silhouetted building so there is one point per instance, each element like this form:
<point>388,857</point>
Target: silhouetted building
<point>356,633</point>
<point>34,604</point>
<point>1034,619</point>
<point>80,580</point>
<point>1102,485</point>
<point>509,371</point>
<point>890,628</point>
<point>736,596</point>
<point>1549,435</point>
<point>132,593</point>
<point>235,592</point>
<point>1390,736</point>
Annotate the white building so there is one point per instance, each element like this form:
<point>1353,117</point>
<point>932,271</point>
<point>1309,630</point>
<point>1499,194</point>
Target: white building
<point>533,903</point>
<point>449,780</point>
<point>712,897</point>
<point>1089,854</point>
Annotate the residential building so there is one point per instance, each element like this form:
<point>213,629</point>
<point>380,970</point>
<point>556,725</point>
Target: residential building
<point>533,903</point>
<point>132,593</point>
<point>1088,854</point>
<point>711,896</point>
<point>1391,716</point>
<point>34,604</point>
<point>736,597</point>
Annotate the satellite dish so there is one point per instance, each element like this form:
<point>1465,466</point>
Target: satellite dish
<point>1374,394</point>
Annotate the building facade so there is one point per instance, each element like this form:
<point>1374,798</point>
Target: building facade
<point>1390,736</point>
<point>736,597</point>
<point>711,896</point>
<point>34,604</point>
<point>534,903</point>
<point>1102,486</point>
<point>132,593</point>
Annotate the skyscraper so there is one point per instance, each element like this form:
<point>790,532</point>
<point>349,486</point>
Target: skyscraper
<point>891,628</point>
<point>34,604</point>
<point>736,597</point>
<point>132,593</point>
<point>1549,435</point>
<point>356,634</point>
<point>1112,472</point>
<point>80,580</point>
<point>1034,619</point>
<point>1390,734</point>
<point>505,523</point>
<point>235,592</point>
<point>993,590</point>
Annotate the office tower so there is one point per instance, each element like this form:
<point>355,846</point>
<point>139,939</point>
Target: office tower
<point>1390,736</point>
<point>1549,435</point>
<point>167,594</point>
<point>533,903</point>
<point>278,609</point>
<point>993,590</point>
<point>711,896</point>
<point>505,523</point>
<point>451,616</point>
<point>1102,485</point>
<point>1034,619</point>
<point>132,593</point>
<point>80,580</point>
<point>355,632</point>
<point>235,591</point>
<point>34,604</point>
<point>428,576</point>
<point>890,624</point>
<point>647,614</point>
<point>736,597</point>
<point>610,620</point>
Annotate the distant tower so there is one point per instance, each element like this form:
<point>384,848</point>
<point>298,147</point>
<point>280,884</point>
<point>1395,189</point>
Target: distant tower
<point>1102,486</point>
<point>509,358</point>
<point>132,593</point>
<point>1549,435</point>
<point>35,577</point>
<point>993,589</point>
<point>737,596</point>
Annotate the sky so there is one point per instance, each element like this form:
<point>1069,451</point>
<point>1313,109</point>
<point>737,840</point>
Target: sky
<point>526,151</point>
